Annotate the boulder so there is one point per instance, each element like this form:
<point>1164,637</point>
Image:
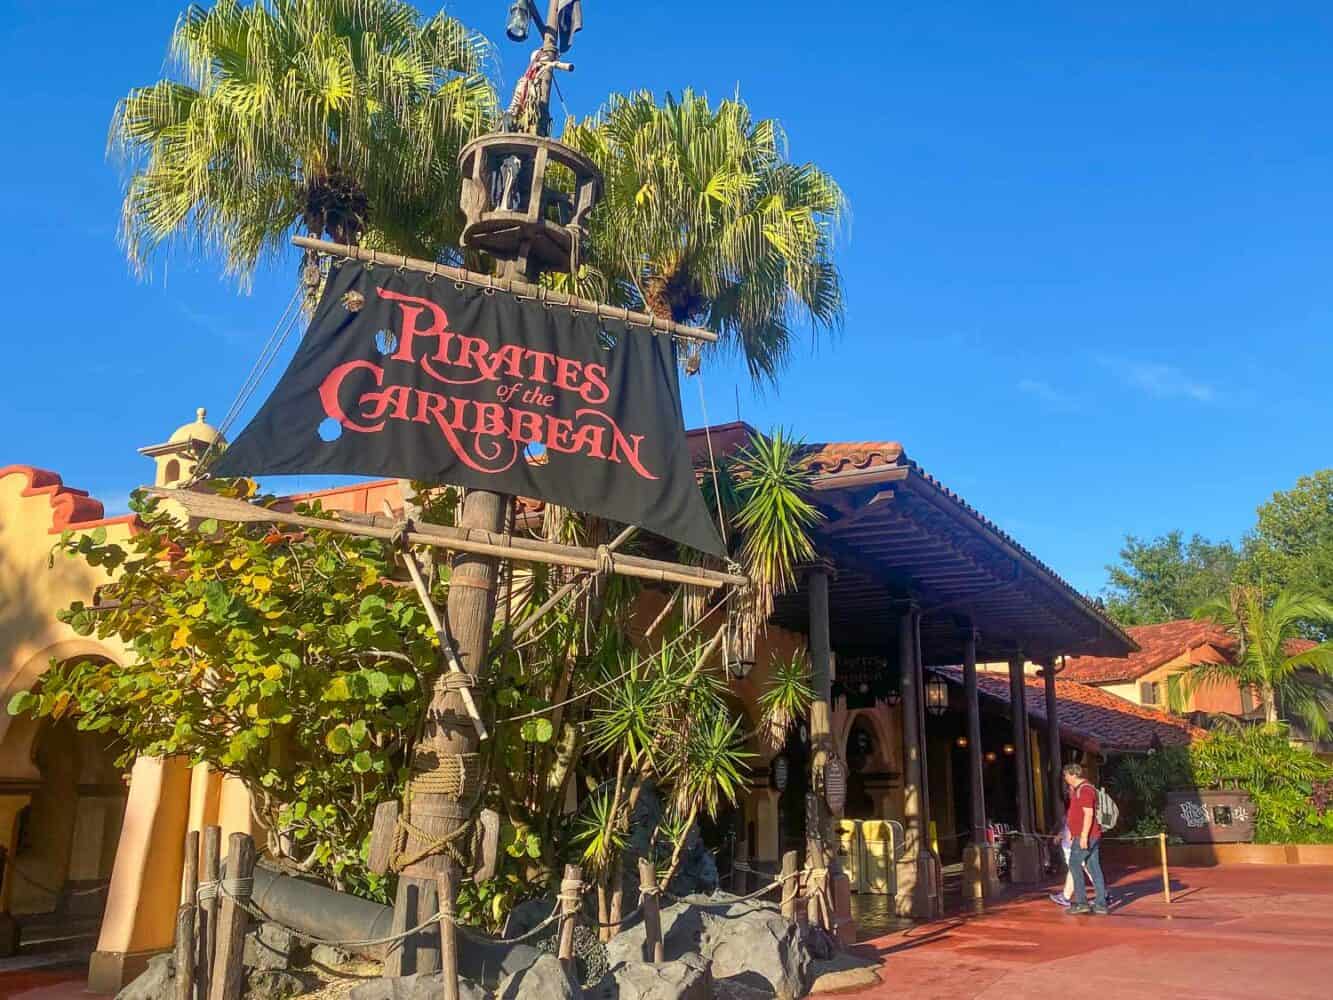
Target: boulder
<point>685,979</point>
<point>544,979</point>
<point>329,956</point>
<point>273,984</point>
<point>589,953</point>
<point>422,986</point>
<point>269,946</point>
<point>751,945</point>
<point>682,934</point>
<point>157,982</point>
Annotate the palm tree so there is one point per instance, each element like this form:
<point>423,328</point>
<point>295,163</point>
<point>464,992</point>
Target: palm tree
<point>1269,655</point>
<point>704,220</point>
<point>342,116</point>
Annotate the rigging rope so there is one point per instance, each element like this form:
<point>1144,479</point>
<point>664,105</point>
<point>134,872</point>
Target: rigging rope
<point>267,355</point>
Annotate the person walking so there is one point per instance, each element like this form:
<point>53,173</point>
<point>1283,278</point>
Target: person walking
<point>1086,848</point>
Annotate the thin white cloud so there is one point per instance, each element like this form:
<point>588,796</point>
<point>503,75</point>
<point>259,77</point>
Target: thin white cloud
<point>1047,393</point>
<point>1158,380</point>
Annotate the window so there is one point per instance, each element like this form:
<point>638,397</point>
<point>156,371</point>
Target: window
<point>1149,693</point>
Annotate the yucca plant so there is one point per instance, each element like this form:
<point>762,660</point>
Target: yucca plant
<point>341,117</point>
<point>787,697</point>
<point>705,220</point>
<point>1296,681</point>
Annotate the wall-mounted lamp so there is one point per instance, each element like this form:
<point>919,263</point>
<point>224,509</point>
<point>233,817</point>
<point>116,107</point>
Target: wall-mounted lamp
<point>961,742</point>
<point>990,757</point>
<point>1008,749</point>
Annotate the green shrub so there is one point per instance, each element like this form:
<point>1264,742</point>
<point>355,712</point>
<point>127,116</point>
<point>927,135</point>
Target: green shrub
<point>1285,782</point>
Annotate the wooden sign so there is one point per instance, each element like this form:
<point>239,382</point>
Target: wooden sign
<point>835,785</point>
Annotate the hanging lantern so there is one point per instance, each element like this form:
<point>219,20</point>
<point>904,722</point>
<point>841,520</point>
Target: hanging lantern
<point>1008,749</point>
<point>937,695</point>
<point>835,785</point>
<point>990,757</point>
<point>961,742</point>
<point>517,25</point>
<point>778,771</point>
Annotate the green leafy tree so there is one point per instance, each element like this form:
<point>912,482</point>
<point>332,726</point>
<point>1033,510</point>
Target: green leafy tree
<point>343,117</point>
<point>290,660</point>
<point>705,220</point>
<point>1268,658</point>
<point>1166,578</point>
<point>1292,542</point>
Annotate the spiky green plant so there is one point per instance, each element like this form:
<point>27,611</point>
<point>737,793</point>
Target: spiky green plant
<point>344,117</point>
<point>775,516</point>
<point>1296,681</point>
<point>787,697</point>
<point>705,220</point>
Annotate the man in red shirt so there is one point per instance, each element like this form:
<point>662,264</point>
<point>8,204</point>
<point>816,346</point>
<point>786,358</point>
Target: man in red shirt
<point>1087,842</point>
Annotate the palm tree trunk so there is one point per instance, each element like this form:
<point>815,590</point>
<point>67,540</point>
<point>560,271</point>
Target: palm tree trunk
<point>1270,704</point>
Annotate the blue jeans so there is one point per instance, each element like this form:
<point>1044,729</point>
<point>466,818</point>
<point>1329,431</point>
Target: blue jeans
<point>1092,857</point>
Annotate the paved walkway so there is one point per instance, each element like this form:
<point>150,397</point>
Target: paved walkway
<point>1241,932</point>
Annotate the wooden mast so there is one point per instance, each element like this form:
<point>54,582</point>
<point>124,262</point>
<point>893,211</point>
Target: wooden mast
<point>448,732</point>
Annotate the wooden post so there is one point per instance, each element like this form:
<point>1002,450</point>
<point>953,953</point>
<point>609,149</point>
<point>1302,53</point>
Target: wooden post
<point>449,733</point>
<point>1018,712</point>
<point>1166,875</point>
<point>228,967</point>
<point>819,820</point>
<point>652,917</point>
<point>183,984</point>
<point>975,778</point>
<point>190,876</point>
<point>208,910</point>
<point>913,897</point>
<point>1054,757</point>
<point>186,919</point>
<point>570,890</point>
<point>448,933</point>
<point>790,884</point>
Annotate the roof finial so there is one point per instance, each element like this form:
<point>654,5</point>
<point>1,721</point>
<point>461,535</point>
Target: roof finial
<point>200,414</point>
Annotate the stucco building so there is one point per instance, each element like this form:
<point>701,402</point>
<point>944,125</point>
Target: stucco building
<point>912,589</point>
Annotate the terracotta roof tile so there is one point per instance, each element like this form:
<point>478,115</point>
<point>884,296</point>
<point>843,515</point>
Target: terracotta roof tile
<point>1088,716</point>
<point>1158,644</point>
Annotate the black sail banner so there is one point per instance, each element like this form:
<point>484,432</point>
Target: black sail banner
<point>404,375</point>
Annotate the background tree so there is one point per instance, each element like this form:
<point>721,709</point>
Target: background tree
<point>1167,578</point>
<point>344,117</point>
<point>704,220</point>
<point>1290,676</point>
<point>1292,542</point>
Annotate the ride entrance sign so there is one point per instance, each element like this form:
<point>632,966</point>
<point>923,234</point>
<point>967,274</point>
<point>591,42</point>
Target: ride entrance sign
<point>405,375</point>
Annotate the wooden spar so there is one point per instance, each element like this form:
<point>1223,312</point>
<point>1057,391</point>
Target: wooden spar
<point>473,541</point>
<point>515,286</point>
<point>565,589</point>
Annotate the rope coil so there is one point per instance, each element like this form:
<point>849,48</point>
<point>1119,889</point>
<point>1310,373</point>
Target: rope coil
<point>207,891</point>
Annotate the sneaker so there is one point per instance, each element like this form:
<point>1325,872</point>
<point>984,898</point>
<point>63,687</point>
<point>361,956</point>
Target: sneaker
<point>1099,911</point>
<point>1059,899</point>
<point>1079,909</point>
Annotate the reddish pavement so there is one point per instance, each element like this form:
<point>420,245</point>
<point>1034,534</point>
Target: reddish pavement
<point>1241,931</point>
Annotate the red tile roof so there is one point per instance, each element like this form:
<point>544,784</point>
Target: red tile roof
<point>1089,717</point>
<point>70,507</point>
<point>1160,644</point>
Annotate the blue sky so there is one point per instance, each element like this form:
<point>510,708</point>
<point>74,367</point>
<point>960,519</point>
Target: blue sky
<point>1087,269</point>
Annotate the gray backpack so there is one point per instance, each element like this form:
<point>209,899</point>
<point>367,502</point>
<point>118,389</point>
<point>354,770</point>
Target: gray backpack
<point>1108,813</point>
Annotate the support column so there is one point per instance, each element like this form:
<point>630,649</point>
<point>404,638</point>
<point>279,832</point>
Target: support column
<point>1054,762</point>
<point>914,896</point>
<point>1025,864</point>
<point>140,918</point>
<point>10,807</point>
<point>821,848</point>
<point>979,882</point>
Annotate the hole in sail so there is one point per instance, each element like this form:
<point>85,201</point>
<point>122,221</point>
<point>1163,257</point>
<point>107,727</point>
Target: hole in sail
<point>535,452</point>
<point>386,342</point>
<point>330,429</point>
